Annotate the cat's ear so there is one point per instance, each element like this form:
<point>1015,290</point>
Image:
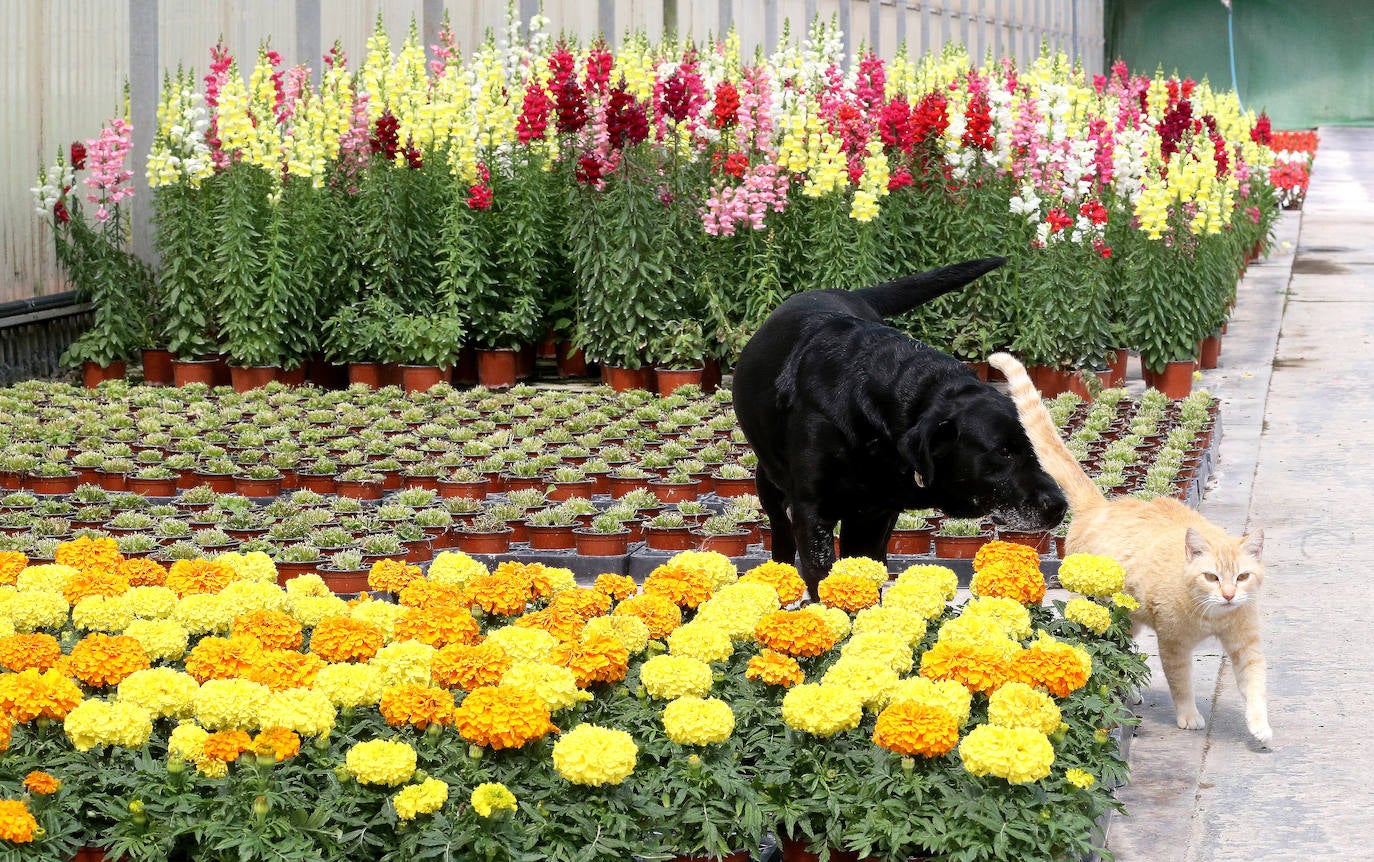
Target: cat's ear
<point>1194,545</point>
<point>1253,544</point>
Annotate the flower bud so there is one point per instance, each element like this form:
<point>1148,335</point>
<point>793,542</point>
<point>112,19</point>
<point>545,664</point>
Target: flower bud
<point>434,731</point>
<point>908,765</point>
<point>475,752</point>
<point>175,765</point>
<point>136,807</point>
<point>261,806</point>
<point>342,774</point>
<point>264,758</point>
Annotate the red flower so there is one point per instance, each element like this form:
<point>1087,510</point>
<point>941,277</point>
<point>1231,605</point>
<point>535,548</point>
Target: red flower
<point>896,124</point>
<point>533,122</point>
<point>1102,248</point>
<point>1094,211</point>
<point>78,158</point>
<point>682,94</point>
<point>1262,133</point>
<point>979,117</point>
<point>627,122</point>
<point>732,164</point>
<point>479,196</point>
<point>589,169</point>
<point>385,135</point>
<point>1058,219</point>
<point>931,117</point>
<point>413,157</point>
<point>727,105</point>
<point>570,101</point>
<point>899,178</point>
<point>599,64</point>
<point>59,212</point>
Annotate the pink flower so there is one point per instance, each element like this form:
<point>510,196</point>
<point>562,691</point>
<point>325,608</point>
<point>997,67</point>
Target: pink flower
<point>108,180</point>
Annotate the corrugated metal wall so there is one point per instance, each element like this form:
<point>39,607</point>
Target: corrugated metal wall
<point>63,63</point>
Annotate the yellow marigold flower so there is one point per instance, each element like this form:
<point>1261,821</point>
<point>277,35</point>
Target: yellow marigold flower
<point>226,745</point>
<point>1009,580</point>
<point>950,695</point>
<point>782,577</point>
<point>106,614</point>
<point>142,572</point>
<point>187,741</point>
<point>557,686</point>
<point>701,641</point>
<point>152,602</point>
<point>564,624</point>
<point>659,614</point>
<point>383,615</point>
<point>230,703</point>
<point>221,658</point>
<point>1052,665</point>
<point>470,667</point>
<point>870,677</point>
<point>924,600</point>
<point>45,578</point>
<point>161,639</point>
<point>848,591</point>
<point>407,661</point>
<point>191,577</point>
<point>11,564</point>
<point>491,797</point>
<point>737,608</point>
<point>426,797</point>
<point>306,586</point>
<point>282,743</point>
<point>1012,616</point>
<point>667,677</point>
<point>821,710</point>
<point>33,610</point>
<point>381,761</point>
<point>89,555</point>
<point>30,694</point>
<point>424,593</point>
<point>1089,614</point>
<point>915,729</point>
<point>891,649</point>
<point>904,624</point>
<point>204,614</point>
<point>17,823</point>
<point>392,576</point>
<point>595,756</point>
<point>1015,704</point>
<point>23,651</point>
<point>252,567</point>
<point>629,629</point>
<point>308,712</point>
<point>863,567</point>
<point>454,568</point>
<point>982,629</point>
<point>96,722</point>
<point>1005,552</point>
<point>980,666</point>
<point>101,581</point>
<point>345,639</point>
<point>1018,754</point>
<point>698,721</point>
<point>416,705</point>
<point>502,716</point>
<point>248,596</point>
<point>163,691</point>
<point>941,577</point>
<point>617,587</point>
<point>1125,601</point>
<point>503,595</point>
<point>272,629</point>
<point>523,644</point>
<point>350,686</point>
<point>597,656</point>
<point>99,660</point>
<point>795,633</point>
<point>6,732</point>
<point>716,567</point>
<point>1079,778</point>
<point>310,611</point>
<point>1091,575</point>
<point>774,668</point>
<point>834,619</point>
<point>41,783</point>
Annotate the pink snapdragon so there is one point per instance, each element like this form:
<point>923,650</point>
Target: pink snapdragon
<point>108,180</point>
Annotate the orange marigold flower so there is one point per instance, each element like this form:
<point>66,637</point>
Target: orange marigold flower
<point>421,593</point>
<point>618,587</point>
<point>658,613</point>
<point>37,650</point>
<point>503,594</point>
<point>89,554</point>
<point>280,669</point>
<point>796,633</point>
<point>684,587</point>
<point>469,667</point>
<point>850,593</point>
<point>226,745</point>
<point>1010,580</point>
<point>583,602</point>
<point>221,658</point>
<point>561,623</point>
<point>94,582</point>
<point>1005,552</point>
<point>437,626</point>
<point>17,825</point>
<point>272,629</point>
<point>913,728</point>
<point>100,660</point>
<point>595,658</point>
<point>41,783</point>
<point>782,577</point>
<point>189,577</point>
<point>392,576</point>
<point>541,584</point>
<point>142,572</point>
<point>980,667</point>
<point>339,639</point>
<point>416,705</point>
<point>1055,666</point>
<point>11,564</point>
<point>30,694</point>
<point>280,742</point>
<point>6,730</point>
<point>502,716</point>
<point>775,668</point>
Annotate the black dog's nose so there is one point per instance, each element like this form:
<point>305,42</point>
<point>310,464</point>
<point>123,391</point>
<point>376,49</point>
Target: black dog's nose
<point>1054,506</point>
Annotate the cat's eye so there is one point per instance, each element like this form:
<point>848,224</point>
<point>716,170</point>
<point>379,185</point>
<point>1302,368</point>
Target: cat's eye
<point>1243,576</point>
<point>1211,577</point>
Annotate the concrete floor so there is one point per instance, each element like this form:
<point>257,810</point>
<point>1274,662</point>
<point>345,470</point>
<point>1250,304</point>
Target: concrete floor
<point>1297,385</point>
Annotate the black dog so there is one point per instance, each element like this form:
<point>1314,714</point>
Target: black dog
<point>853,421</point>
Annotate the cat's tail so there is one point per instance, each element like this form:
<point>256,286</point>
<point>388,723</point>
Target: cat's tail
<point>907,292</point>
<point>1054,456</point>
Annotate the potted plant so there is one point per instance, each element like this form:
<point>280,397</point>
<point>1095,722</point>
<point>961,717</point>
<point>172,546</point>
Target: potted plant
<point>676,486</point>
<point>551,529</point>
<point>606,536</point>
<point>960,538</point>
<point>463,482</point>
<point>360,483</point>
<point>259,481</point>
<point>722,533</point>
<point>911,534</point>
<point>669,531</point>
<point>485,534</point>
<point>568,481</point>
<point>296,559</point>
<point>678,350</point>
<point>345,572</point>
<point>427,346</point>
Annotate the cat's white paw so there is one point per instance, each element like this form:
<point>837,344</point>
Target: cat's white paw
<point>1191,720</point>
<point>1260,729</point>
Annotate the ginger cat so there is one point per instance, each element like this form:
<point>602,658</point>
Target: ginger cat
<point>1193,581</point>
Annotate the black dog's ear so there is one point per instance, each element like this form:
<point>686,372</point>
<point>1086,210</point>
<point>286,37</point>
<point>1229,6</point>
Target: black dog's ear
<point>919,443</point>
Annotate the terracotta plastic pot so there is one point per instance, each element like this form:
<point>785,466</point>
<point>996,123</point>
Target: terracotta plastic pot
<point>1041,541</point>
<point>668,379</point>
<point>257,487</point>
<point>496,369</point>
<point>590,544</point>
<point>570,360</point>
<point>559,491</point>
<point>420,378</point>
<point>476,489</point>
<point>910,543</point>
<point>367,373</point>
<point>344,583</point>
<point>731,544</point>
<point>669,538</point>
<point>794,850</point>
<point>623,379</point>
<point>188,371</point>
<point>1175,381</point>
<point>152,487</point>
<point>358,489</point>
<point>1118,367</point>
<point>292,376</point>
<point>218,482</point>
<point>674,492</point>
<point>485,543</point>
<point>1209,353</point>
<point>733,487</point>
<point>320,483</point>
<point>52,484</point>
<point>958,547</point>
<point>287,571</point>
<point>92,375</point>
<point>248,377</point>
<point>550,538</point>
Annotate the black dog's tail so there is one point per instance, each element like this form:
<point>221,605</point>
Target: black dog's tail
<point>907,292</point>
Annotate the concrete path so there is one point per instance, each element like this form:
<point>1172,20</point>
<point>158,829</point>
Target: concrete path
<point>1297,385</point>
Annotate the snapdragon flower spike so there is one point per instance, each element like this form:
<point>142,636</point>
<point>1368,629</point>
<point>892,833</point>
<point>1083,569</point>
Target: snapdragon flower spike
<point>533,122</point>
<point>78,156</point>
<point>600,61</point>
<point>627,121</point>
<point>108,179</point>
<point>726,107</point>
<point>385,139</point>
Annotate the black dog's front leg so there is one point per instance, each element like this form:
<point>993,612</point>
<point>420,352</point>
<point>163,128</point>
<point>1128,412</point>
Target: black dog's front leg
<point>815,538</point>
<point>867,535</point>
<point>775,506</point>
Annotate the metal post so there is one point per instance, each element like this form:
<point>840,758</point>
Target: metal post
<point>528,9</point>
<point>605,20</point>
<point>308,46</point>
<point>846,30</point>
<point>670,18</point>
<point>770,26</point>
<point>726,14</point>
<point>875,26</point>
<point>901,27</point>
<point>144,84</point>
<point>432,18</point>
